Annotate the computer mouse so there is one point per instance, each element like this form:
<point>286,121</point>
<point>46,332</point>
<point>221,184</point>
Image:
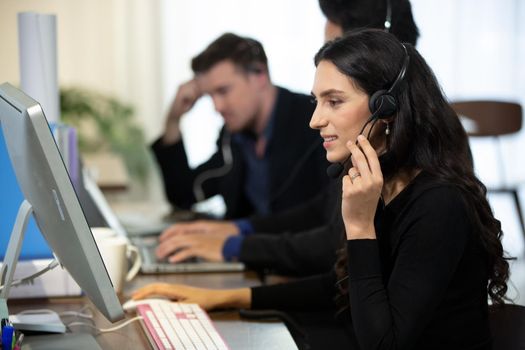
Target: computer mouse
<point>131,305</point>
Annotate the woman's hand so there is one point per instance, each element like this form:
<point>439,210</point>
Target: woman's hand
<point>208,299</point>
<point>361,191</point>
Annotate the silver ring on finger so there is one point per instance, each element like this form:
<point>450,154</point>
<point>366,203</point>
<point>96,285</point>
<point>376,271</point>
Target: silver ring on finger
<point>355,176</point>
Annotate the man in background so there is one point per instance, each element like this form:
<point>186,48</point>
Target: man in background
<point>265,128</point>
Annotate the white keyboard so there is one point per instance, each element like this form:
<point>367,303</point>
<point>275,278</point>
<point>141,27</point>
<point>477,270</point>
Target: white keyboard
<point>171,325</point>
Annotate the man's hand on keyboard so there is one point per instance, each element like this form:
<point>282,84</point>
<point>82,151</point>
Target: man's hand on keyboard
<point>201,245</point>
<point>208,299</point>
<point>225,228</point>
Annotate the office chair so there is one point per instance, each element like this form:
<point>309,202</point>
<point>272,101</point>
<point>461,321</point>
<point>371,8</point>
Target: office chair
<point>507,325</point>
<point>494,119</point>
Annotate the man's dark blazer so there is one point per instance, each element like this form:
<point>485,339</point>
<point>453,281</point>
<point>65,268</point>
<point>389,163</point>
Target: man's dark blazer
<point>301,241</point>
<point>297,164</point>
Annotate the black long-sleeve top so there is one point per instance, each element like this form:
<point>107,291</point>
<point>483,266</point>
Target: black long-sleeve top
<point>422,284</point>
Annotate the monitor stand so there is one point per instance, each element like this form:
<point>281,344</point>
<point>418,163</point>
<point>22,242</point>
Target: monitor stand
<point>52,342</point>
<point>13,252</point>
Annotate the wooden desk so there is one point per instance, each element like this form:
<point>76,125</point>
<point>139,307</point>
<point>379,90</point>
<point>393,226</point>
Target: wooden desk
<point>238,334</point>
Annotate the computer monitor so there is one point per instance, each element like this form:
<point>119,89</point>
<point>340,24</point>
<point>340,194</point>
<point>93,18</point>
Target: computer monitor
<point>47,188</point>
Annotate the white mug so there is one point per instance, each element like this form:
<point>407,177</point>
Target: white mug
<point>115,251</point>
<point>103,232</point>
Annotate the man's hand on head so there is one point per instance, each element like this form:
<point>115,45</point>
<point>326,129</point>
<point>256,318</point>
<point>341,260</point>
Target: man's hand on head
<point>187,94</point>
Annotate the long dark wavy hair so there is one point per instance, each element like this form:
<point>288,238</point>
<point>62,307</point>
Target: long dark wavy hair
<point>426,134</point>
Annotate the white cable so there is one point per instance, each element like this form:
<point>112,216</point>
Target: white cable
<point>37,311</point>
<point>30,278</point>
<point>87,315</point>
<point>106,330</point>
<point>227,157</point>
<point>76,314</point>
<point>61,314</point>
<point>80,313</point>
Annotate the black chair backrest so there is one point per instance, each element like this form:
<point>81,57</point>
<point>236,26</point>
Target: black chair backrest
<point>490,118</point>
<point>507,324</point>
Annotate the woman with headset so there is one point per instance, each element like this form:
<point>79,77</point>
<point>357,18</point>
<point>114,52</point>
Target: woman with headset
<point>421,251</point>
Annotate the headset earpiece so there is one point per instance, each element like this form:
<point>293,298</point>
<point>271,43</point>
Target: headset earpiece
<point>382,104</point>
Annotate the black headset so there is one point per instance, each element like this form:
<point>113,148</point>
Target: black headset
<point>382,103</point>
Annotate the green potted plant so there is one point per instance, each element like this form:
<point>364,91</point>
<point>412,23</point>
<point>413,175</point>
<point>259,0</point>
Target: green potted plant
<point>105,124</point>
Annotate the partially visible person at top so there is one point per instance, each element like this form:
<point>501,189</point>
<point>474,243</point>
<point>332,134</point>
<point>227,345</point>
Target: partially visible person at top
<point>265,127</point>
<point>302,240</point>
<point>394,16</point>
<point>421,250</point>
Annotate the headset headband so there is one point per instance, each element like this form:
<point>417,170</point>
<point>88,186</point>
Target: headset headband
<point>403,70</point>
<point>388,19</point>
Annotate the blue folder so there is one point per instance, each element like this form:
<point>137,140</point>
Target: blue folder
<point>34,245</point>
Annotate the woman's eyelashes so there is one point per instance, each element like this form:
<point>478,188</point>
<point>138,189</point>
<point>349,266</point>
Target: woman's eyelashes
<point>334,102</point>
<point>330,101</point>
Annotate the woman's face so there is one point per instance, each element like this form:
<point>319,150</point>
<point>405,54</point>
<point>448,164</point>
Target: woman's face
<point>341,110</point>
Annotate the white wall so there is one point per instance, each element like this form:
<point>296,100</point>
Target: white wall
<point>139,50</point>
<point>477,50</point>
<point>110,46</point>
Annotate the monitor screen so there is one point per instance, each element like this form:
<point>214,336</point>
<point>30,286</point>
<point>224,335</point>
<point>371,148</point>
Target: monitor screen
<point>45,184</point>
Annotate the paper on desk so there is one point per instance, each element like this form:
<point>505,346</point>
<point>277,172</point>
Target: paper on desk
<point>37,40</point>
